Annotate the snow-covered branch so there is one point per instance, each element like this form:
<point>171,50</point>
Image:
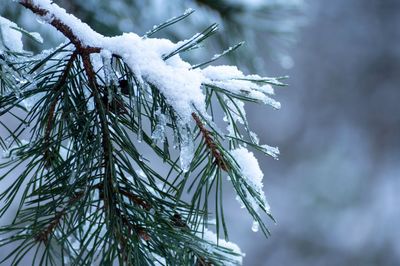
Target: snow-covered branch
<point>88,98</point>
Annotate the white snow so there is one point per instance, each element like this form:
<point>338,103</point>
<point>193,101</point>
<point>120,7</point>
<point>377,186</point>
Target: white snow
<point>212,237</point>
<point>254,138</point>
<point>251,172</point>
<point>222,72</point>
<point>249,167</point>
<point>97,64</point>
<point>158,260</point>
<point>272,151</point>
<point>177,81</point>
<point>37,37</point>
<point>11,38</point>
<point>180,84</point>
<point>231,79</point>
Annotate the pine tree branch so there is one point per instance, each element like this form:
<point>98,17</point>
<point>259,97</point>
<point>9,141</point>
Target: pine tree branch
<point>61,27</point>
<point>50,116</point>
<point>130,208</point>
<point>43,236</point>
<point>119,236</point>
<point>85,52</point>
<point>134,198</point>
<point>102,108</point>
<point>106,142</point>
<point>109,189</point>
<point>212,146</point>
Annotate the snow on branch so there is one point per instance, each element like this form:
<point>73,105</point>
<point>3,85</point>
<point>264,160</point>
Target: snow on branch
<point>179,96</point>
<point>10,37</point>
<point>177,81</point>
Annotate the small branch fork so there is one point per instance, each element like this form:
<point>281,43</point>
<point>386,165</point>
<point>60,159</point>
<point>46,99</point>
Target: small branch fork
<point>44,235</point>
<point>84,52</point>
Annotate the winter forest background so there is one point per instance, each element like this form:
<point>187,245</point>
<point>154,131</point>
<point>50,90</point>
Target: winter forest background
<point>334,191</point>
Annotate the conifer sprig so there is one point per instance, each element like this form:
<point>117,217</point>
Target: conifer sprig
<point>87,193</point>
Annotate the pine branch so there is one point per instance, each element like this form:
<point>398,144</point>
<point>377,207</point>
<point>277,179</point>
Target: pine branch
<point>210,143</point>
<point>50,115</point>
<point>61,27</point>
<point>90,97</point>
<point>43,236</point>
<point>134,198</point>
<point>84,52</point>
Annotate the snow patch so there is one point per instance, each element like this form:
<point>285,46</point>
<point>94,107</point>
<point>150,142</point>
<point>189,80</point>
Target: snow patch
<point>10,37</point>
<point>234,259</point>
<point>252,174</point>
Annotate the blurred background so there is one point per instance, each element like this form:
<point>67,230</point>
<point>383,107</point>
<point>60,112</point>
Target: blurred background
<point>335,190</point>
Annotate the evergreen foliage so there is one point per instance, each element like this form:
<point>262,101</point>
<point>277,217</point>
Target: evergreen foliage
<point>268,26</point>
<point>76,152</point>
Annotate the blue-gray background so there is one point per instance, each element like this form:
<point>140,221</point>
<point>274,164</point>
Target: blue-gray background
<point>335,189</point>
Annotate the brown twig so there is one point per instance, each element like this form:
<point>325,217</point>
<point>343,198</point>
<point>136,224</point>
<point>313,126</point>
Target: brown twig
<point>43,236</point>
<point>134,198</point>
<point>137,200</point>
<point>202,262</point>
<point>123,239</point>
<point>140,231</point>
<point>61,27</point>
<point>50,116</point>
<point>106,139</point>
<point>219,159</point>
